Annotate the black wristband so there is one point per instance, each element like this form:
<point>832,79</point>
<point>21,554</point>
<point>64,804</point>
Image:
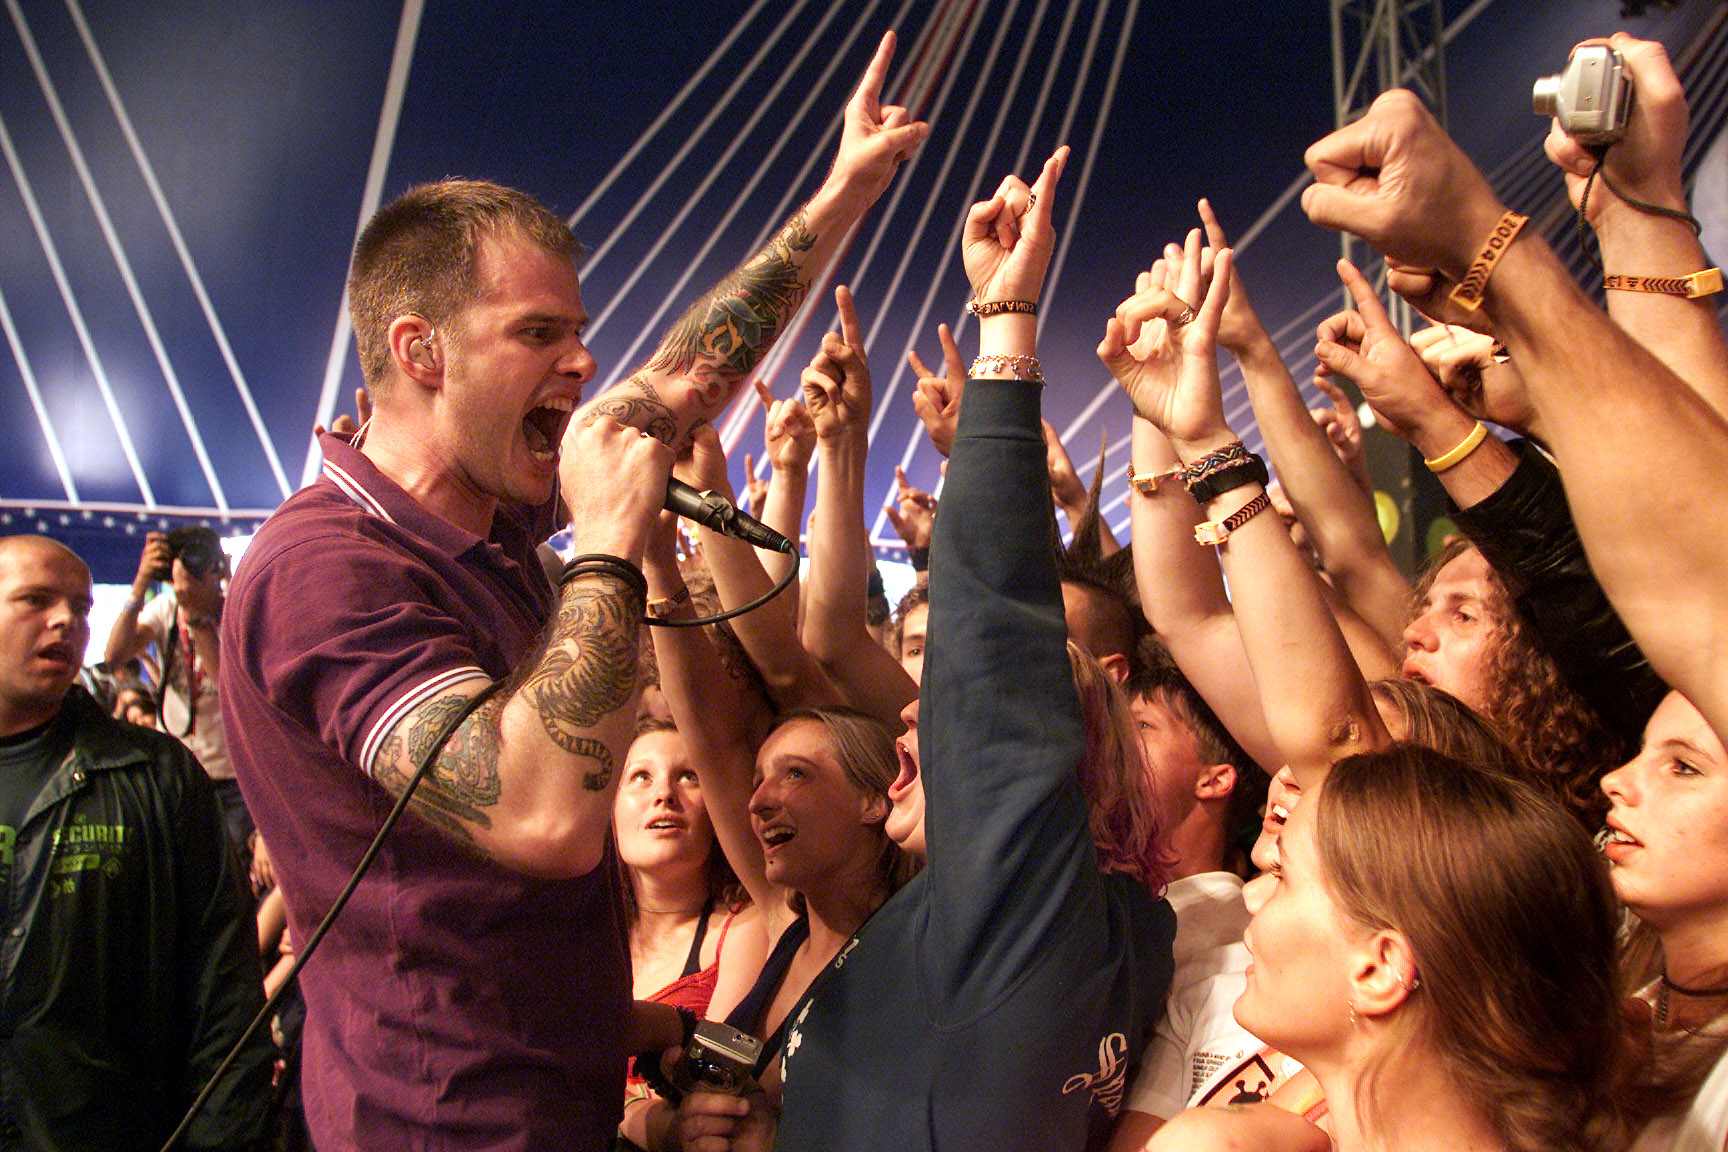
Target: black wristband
<point>608,565</point>
<point>919,559</point>
<point>1209,488</point>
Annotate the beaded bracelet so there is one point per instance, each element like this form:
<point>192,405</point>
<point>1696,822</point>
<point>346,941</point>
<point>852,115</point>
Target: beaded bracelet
<point>1024,368</point>
<point>615,566</point>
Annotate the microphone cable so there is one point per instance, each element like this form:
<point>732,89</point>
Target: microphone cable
<point>372,850</point>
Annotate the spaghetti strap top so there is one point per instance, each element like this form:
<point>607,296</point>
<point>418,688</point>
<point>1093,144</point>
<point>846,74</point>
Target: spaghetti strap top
<point>747,1016</point>
<point>693,963</point>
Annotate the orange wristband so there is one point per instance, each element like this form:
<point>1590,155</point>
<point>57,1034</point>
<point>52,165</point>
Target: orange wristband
<point>1468,294</point>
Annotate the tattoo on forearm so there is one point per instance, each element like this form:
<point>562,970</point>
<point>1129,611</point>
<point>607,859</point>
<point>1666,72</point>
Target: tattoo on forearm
<point>589,669</point>
<point>724,334</point>
<point>463,782</point>
<point>645,411</point>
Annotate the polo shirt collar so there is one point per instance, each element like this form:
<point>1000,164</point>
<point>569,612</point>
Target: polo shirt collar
<point>357,478</point>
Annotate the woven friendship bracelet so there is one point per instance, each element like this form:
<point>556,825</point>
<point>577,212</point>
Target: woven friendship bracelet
<point>1024,368</point>
<point>983,308</point>
<point>1234,452</point>
<point>1469,292</point>
<point>1217,531</point>
<point>1705,283</point>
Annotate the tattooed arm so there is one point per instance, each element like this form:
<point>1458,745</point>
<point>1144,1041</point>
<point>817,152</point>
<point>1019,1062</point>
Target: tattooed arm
<point>712,349</point>
<point>528,776</point>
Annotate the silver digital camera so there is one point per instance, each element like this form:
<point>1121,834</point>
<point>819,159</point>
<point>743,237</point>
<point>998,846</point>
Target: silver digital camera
<point>1591,97</point>
<point>719,1058</point>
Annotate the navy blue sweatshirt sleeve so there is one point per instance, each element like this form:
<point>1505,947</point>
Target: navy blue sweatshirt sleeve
<point>1000,731</point>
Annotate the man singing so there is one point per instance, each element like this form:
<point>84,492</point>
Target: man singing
<point>475,992</point>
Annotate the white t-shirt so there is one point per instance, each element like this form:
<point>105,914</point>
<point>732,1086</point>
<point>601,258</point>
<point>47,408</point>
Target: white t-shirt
<point>205,737</point>
<point>1704,1126</point>
<point>1198,1033</point>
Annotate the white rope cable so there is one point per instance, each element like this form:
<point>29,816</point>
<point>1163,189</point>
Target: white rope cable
<point>715,169</point>
<point>880,401</point>
<point>180,248</point>
<point>76,314</point>
<point>41,409</point>
<point>659,122</point>
<point>928,65</point>
<point>377,168</point>
<point>1073,215</point>
<point>117,250</point>
<point>1035,122</point>
<point>671,166</point>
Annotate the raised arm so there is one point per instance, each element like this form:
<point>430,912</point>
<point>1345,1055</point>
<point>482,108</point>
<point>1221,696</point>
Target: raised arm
<point>768,634</point>
<point>837,392</point>
<point>789,440</point>
<point>130,636</point>
<point>1684,333</point>
<point>712,349</point>
<point>1182,593</point>
<point>1607,405</point>
<point>1338,514</point>
<point>717,717</point>
<point>1314,699</point>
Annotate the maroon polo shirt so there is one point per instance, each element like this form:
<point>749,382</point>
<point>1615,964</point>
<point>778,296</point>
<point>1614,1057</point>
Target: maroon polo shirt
<point>456,1004</point>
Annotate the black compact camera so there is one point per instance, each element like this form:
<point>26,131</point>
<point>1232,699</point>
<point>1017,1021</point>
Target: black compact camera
<point>1591,98</point>
<point>719,1058</point>
<point>198,549</point>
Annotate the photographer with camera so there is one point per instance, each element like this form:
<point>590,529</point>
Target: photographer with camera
<point>181,622</point>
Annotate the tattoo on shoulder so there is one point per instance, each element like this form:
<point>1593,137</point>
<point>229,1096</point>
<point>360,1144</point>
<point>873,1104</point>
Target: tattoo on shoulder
<point>588,671</point>
<point>731,327</point>
<point>463,782</point>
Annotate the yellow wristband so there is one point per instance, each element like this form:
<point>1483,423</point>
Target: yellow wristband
<point>1455,456</point>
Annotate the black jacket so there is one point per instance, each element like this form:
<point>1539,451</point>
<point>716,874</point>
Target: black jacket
<point>129,957</point>
<point>1525,530</point>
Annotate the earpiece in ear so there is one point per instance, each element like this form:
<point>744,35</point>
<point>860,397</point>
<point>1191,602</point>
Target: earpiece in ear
<point>420,350</point>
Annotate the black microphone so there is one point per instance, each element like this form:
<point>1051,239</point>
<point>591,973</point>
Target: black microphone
<point>719,513</point>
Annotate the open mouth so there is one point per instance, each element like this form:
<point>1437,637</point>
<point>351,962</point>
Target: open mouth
<point>58,654</point>
<point>665,824</point>
<point>776,836</point>
<point>1410,672</point>
<point>908,776</point>
<point>544,426</point>
<point>1615,837</point>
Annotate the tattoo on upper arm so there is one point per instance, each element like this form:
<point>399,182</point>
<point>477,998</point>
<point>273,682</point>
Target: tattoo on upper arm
<point>730,328</point>
<point>463,782</point>
<point>588,671</point>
